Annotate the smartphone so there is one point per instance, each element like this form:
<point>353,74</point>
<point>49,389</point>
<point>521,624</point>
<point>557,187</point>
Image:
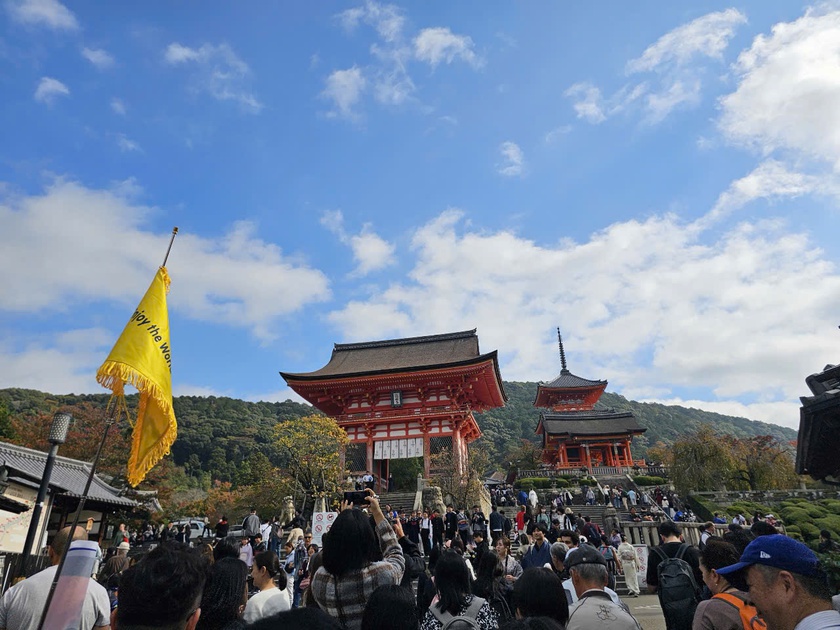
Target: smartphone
<point>356,498</point>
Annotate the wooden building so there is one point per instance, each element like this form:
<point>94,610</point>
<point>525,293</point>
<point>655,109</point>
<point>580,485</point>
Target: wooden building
<point>402,398</point>
<point>576,434</point>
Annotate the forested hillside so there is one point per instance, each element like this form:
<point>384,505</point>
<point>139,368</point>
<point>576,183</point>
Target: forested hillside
<point>217,436</point>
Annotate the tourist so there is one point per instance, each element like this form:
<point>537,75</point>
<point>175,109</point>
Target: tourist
<point>222,528</point>
<point>497,525</point>
<point>613,563</point>
<point>491,585</point>
<point>270,580</point>
<point>539,593</point>
<point>352,567</point>
<point>785,583</point>
<point>226,548</point>
<point>23,603</point>
<point>826,545</point>
<point>478,522</point>
<point>594,608</point>
<point>426,532</point>
<point>451,523</point>
<point>116,564</point>
<point>164,590</point>
<point>723,610</point>
<point>303,575</point>
<point>437,529</point>
<point>251,525</point>
<point>246,551</point>
<point>629,566</point>
<point>390,607</point>
<point>225,596</point>
<point>538,555</point>
<point>414,563</point>
<point>520,520</point>
<point>677,608</point>
<point>452,583</point>
<point>511,569</point>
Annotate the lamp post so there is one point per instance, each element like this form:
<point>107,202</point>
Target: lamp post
<point>58,435</point>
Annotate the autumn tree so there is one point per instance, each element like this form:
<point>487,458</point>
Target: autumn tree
<point>467,485</point>
<point>699,461</point>
<point>308,451</point>
<point>762,462</point>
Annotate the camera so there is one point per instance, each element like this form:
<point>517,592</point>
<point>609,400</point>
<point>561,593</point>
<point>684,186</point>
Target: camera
<point>356,498</point>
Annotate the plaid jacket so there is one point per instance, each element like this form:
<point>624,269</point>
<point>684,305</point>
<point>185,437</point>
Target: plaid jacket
<point>345,599</point>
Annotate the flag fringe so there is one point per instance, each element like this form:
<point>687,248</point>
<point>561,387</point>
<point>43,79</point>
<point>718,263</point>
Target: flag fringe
<point>113,375</point>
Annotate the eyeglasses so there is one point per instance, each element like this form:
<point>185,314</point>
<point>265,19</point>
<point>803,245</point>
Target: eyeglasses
<point>307,537</point>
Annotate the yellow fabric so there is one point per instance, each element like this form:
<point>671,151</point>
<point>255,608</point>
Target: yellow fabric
<point>142,358</point>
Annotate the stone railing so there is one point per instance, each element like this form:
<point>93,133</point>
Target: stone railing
<point>645,533</point>
<point>604,471</point>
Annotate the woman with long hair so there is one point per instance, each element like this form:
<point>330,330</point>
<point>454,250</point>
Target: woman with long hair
<point>225,595</point>
<point>511,569</point>
<point>270,579</point>
<point>452,581</point>
<point>491,585</point>
<point>357,560</point>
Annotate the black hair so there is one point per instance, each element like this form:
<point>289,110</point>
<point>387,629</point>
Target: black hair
<point>298,619</point>
<point>434,555</point>
<point>571,534</point>
<point>740,538</point>
<point>542,527</point>
<point>351,543</point>
<point>226,548</point>
<point>718,554</point>
<point>268,560</point>
<point>488,572</point>
<point>763,528</point>
<point>667,529</point>
<point>391,607</point>
<point>539,593</point>
<point>452,580</point>
<point>223,594</point>
<point>163,589</point>
<point>531,623</point>
<point>457,545</point>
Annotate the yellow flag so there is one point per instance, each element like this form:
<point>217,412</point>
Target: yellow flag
<point>142,358</point>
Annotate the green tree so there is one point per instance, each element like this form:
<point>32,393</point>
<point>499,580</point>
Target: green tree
<point>762,462</point>
<point>6,430</point>
<point>308,450</point>
<point>699,461</point>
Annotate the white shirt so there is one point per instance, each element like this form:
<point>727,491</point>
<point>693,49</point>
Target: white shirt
<point>266,603</point>
<point>820,621</point>
<point>22,605</point>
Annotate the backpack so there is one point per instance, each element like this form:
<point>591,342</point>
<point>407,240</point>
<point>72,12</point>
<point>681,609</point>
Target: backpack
<point>677,589</point>
<point>463,523</point>
<point>467,621</point>
<point>748,612</point>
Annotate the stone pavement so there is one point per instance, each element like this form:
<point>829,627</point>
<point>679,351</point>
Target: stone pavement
<point>646,610</point>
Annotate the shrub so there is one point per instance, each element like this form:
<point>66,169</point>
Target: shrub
<point>647,480</point>
<point>561,483</point>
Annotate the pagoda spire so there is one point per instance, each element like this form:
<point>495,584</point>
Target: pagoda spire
<point>562,352</point>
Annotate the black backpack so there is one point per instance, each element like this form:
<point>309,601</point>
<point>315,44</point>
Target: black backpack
<point>677,590</point>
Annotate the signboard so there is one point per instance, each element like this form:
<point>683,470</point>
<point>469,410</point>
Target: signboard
<point>396,399</point>
<point>398,449</point>
<point>642,553</point>
<point>321,523</point>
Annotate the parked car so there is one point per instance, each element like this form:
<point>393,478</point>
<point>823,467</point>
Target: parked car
<point>197,528</point>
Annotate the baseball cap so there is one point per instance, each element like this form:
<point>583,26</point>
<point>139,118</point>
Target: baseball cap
<point>776,550</point>
<point>124,545</point>
<point>585,554</point>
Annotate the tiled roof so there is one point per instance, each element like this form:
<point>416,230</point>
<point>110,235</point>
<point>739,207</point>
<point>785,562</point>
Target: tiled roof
<point>595,422</point>
<point>69,476</point>
<point>373,357</point>
<point>568,380</point>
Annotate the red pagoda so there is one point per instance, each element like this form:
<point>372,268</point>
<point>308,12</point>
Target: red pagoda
<point>403,398</point>
<point>575,434</point>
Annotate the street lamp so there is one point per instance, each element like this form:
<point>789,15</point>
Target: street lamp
<point>58,435</point>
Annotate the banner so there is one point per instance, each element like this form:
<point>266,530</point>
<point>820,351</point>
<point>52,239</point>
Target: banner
<point>321,523</point>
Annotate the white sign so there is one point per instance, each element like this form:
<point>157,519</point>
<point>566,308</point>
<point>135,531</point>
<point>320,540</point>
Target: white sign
<point>398,449</point>
<point>321,523</point>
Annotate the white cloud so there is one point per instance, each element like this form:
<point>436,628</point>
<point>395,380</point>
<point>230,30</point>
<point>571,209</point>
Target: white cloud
<point>49,13</point>
<point>387,19</point>
<point>102,59</point>
<point>588,102</point>
<point>659,105</point>
<point>49,89</point>
<point>513,160</point>
<point>439,44</point>
<point>370,251</point>
<point>126,145</point>
<point>237,279</point>
<point>558,132</point>
<point>344,88</point>
<point>118,106</point>
<point>218,71</point>
<point>654,301</point>
<point>707,36</point>
<point>788,94</point>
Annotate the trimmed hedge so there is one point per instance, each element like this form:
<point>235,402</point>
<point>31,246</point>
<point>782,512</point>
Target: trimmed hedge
<point>647,480</point>
<point>540,483</point>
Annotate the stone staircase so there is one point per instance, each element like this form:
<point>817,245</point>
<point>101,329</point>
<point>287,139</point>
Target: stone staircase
<point>400,501</point>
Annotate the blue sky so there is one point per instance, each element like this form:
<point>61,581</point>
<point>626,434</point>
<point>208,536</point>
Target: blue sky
<point>659,180</point>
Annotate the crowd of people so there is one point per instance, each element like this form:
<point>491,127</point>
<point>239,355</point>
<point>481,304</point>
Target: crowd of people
<point>378,569</point>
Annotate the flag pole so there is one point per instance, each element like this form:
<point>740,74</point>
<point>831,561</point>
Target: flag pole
<point>110,420</point>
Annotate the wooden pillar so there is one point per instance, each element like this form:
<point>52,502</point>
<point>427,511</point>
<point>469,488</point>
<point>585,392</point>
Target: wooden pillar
<point>457,448</point>
<point>369,455</point>
<point>342,461</point>
<point>588,460</point>
<point>629,454</point>
<point>562,457</point>
<point>427,446</point>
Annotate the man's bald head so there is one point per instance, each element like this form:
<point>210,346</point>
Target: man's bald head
<point>60,541</point>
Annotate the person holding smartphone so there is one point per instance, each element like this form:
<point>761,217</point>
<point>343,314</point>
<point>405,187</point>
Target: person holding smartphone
<point>357,558</point>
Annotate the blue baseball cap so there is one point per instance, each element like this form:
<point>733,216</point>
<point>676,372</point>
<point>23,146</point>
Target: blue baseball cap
<point>778,551</point>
